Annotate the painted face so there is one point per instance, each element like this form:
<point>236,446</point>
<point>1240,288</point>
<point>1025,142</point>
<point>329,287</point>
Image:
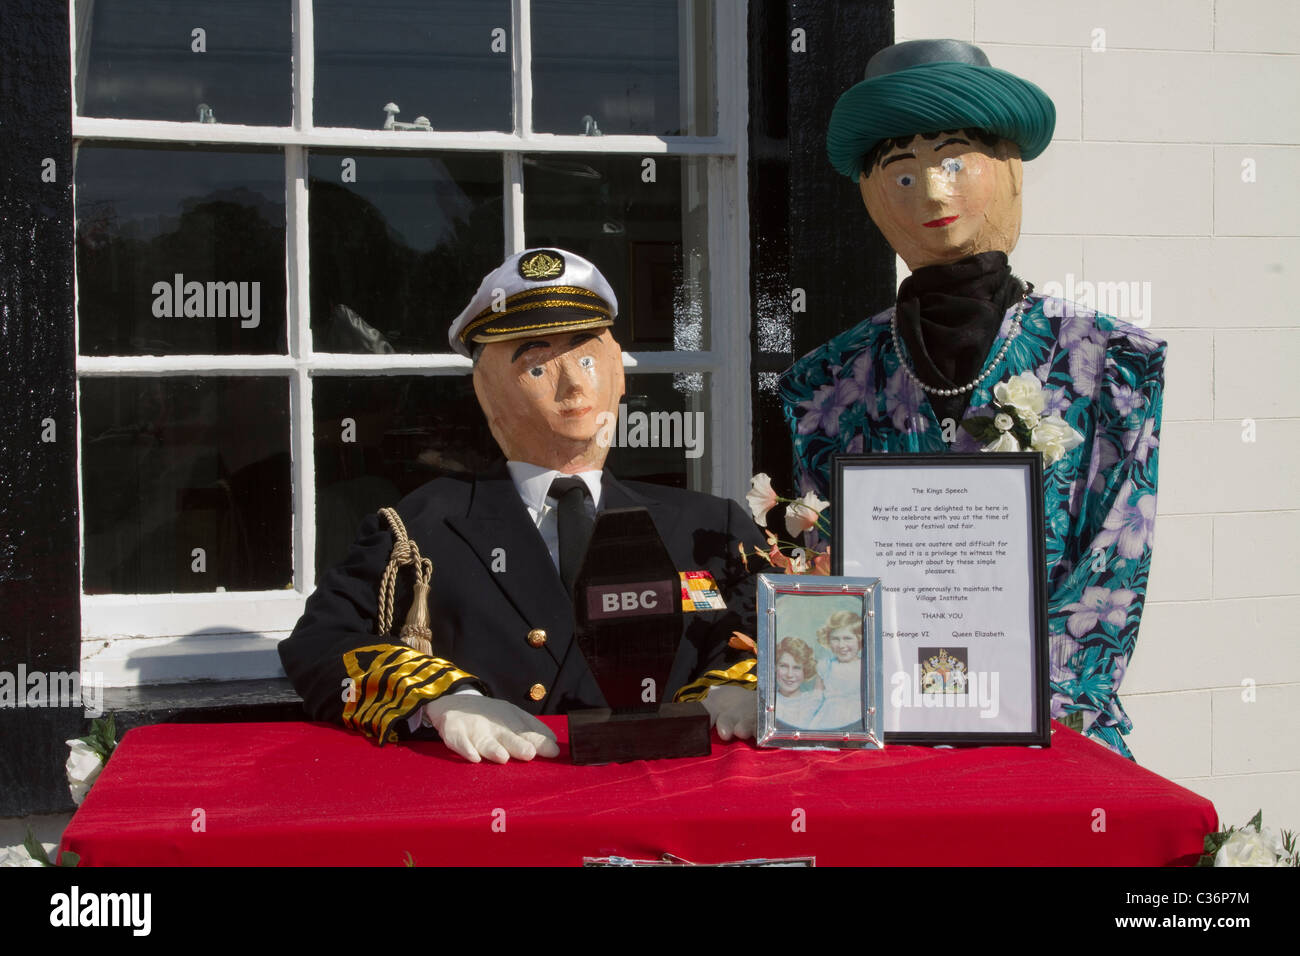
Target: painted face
<point>789,675</point>
<point>945,198</point>
<point>544,398</point>
<point>845,644</point>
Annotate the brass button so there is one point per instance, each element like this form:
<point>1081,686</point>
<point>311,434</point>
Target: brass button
<point>537,692</point>
<point>536,637</point>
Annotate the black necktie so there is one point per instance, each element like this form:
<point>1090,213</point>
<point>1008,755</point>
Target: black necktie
<point>573,523</point>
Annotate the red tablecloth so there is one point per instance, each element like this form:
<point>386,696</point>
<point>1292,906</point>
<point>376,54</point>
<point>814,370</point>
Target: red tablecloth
<point>299,793</point>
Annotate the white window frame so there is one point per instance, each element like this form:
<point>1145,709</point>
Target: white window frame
<point>133,639</point>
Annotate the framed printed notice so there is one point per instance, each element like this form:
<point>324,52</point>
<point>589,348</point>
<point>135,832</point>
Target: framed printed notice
<point>957,542</point>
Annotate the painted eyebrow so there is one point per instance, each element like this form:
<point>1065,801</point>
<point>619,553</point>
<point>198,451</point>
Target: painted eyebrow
<point>950,140</point>
<point>895,158</point>
<point>528,346</point>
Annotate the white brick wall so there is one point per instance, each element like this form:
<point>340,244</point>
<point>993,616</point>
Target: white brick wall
<point>1166,112</point>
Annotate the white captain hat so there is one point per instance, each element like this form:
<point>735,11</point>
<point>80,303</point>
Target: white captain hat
<point>533,293</point>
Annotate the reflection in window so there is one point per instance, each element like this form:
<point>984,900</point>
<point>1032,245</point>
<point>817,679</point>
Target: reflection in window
<point>378,439</point>
<point>185,60</point>
<point>642,68</point>
<point>397,253</point>
<point>662,432</point>
<point>180,251</point>
<point>446,60</point>
<point>188,485</point>
<point>645,228</point>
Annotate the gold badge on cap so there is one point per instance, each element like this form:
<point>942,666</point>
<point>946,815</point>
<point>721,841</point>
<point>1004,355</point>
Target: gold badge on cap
<point>546,264</point>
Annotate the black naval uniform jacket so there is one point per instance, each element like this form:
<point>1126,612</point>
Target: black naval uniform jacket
<point>507,632</point>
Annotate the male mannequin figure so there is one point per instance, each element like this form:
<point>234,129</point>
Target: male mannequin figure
<point>935,138</point>
<point>547,371</point>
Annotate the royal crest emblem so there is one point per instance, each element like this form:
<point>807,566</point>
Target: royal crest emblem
<point>542,265</point>
<point>943,673</point>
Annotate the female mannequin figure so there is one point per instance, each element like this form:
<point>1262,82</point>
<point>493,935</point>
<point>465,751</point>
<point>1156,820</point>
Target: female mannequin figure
<point>972,359</point>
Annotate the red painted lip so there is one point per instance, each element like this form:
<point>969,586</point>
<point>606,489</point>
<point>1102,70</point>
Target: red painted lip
<point>575,412</point>
<point>936,223</point>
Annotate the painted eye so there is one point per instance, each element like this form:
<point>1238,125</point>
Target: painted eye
<point>906,179</point>
<point>952,166</point>
<point>587,361</point>
<point>537,371</point>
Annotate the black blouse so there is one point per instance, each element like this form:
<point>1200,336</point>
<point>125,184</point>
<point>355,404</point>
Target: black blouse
<point>948,317</point>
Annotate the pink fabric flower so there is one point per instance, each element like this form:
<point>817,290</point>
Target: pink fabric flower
<point>801,515</point>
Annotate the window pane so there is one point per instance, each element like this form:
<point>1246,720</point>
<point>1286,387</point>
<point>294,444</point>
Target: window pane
<point>180,250</point>
<point>397,254</point>
<point>186,60</point>
<point>380,438</point>
<point>186,484</point>
<point>662,434</point>
<point>642,67</point>
<point>446,60</point>
<point>650,239</point>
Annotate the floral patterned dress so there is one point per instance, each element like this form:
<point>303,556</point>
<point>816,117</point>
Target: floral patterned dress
<point>1106,380</point>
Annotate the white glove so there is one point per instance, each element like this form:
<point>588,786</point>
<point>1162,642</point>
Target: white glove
<point>733,710</point>
<point>477,727</point>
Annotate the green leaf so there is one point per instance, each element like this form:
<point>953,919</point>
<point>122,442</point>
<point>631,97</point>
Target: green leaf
<point>410,860</point>
<point>102,738</point>
<point>35,850</point>
<point>94,743</point>
<point>1213,841</point>
<point>981,429</point>
<point>104,729</point>
<point>68,858</point>
<point>1256,820</point>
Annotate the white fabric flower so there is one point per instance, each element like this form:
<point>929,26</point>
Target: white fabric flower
<point>1248,848</point>
<point>1030,419</point>
<point>82,768</point>
<point>1002,421</point>
<point>18,855</point>
<point>801,515</point>
<point>1004,442</point>
<point>1053,438</point>
<point>1023,392</point>
<point>761,498</point>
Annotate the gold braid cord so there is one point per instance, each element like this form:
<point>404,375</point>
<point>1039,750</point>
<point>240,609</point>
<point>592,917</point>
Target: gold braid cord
<point>740,674</point>
<point>416,632</point>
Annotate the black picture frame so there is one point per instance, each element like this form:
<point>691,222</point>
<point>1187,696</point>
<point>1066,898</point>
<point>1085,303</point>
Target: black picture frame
<point>843,521</point>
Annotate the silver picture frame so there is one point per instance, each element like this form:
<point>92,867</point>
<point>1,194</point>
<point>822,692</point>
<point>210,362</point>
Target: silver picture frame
<point>812,691</point>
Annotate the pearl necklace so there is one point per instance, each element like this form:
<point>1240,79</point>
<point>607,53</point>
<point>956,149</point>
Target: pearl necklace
<point>1011,334</point>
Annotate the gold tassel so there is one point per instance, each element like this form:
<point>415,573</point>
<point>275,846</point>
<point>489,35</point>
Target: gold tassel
<point>416,632</point>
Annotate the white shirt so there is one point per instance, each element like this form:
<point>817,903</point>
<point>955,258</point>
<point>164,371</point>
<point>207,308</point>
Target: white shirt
<point>533,482</point>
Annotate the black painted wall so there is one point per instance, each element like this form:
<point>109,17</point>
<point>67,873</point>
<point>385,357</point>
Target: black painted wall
<point>40,622</point>
<point>808,227</point>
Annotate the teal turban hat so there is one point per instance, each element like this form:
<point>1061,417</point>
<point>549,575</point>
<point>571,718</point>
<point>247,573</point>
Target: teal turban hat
<point>923,86</point>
